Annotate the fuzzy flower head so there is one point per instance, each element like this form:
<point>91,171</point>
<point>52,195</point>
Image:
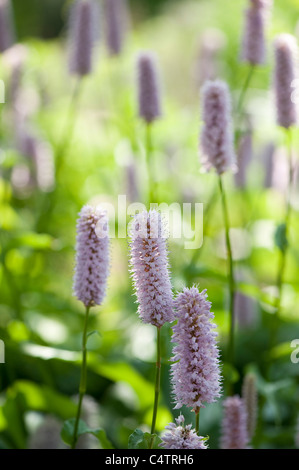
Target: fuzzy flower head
<point>148,87</point>
<point>217,135</point>
<point>181,436</point>
<point>195,372</point>
<point>114,19</point>
<point>83,33</point>
<point>234,424</point>
<point>254,44</point>
<point>92,256</point>
<point>286,72</point>
<point>150,269</point>
<point>6,25</point>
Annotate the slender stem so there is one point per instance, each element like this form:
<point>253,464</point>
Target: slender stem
<point>231,279</point>
<point>69,126</point>
<point>82,387</point>
<point>148,153</point>
<point>157,386</point>
<point>197,420</point>
<point>284,247</point>
<point>49,201</point>
<point>245,87</point>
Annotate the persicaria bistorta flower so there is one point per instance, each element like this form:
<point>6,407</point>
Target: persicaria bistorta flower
<point>83,33</point>
<point>181,436</point>
<point>217,135</point>
<point>195,372</point>
<point>6,25</point>
<point>148,87</point>
<point>254,44</point>
<point>234,424</point>
<point>286,73</point>
<point>92,257</point>
<point>150,268</point>
<point>115,18</point>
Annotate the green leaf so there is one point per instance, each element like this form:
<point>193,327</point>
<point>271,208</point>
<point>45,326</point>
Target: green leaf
<point>67,433</point>
<point>37,241</point>
<point>94,332</point>
<point>280,237</point>
<point>141,440</point>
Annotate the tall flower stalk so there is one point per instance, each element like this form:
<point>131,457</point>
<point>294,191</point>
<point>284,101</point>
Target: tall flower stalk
<point>149,104</point>
<point>218,153</point>
<point>286,71</point>
<point>150,271</point>
<point>92,266</point>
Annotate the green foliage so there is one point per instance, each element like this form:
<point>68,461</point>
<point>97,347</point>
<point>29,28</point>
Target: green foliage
<point>141,440</point>
<point>67,433</point>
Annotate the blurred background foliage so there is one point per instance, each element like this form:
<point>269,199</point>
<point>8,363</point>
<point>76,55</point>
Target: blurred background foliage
<point>40,321</point>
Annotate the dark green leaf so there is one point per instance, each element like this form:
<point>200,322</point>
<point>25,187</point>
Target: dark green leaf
<point>67,433</point>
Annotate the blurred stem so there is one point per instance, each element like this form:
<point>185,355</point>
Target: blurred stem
<point>10,280</point>
<point>208,214</point>
<point>82,387</point>
<point>69,126</point>
<point>157,386</point>
<point>148,153</point>
<point>231,280</point>
<point>245,87</point>
<point>285,243</point>
<point>197,420</point>
<point>49,201</point>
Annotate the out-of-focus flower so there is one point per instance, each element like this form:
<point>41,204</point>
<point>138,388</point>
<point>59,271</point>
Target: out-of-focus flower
<point>83,35</point>
<point>115,20</point>
<point>254,44</point>
<point>245,310</point>
<point>286,72</point>
<point>234,424</point>
<point>7,34</point>
<point>216,135</point>
<point>47,435</point>
<point>148,87</point>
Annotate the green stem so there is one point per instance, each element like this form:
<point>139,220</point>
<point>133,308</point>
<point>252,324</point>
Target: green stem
<point>197,420</point>
<point>245,88</point>
<point>157,387</point>
<point>49,200</point>
<point>284,248</point>
<point>82,387</point>
<point>148,153</point>
<point>69,126</point>
<point>231,280</point>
